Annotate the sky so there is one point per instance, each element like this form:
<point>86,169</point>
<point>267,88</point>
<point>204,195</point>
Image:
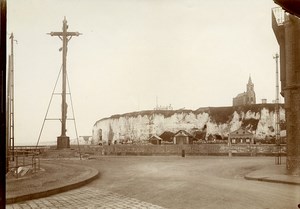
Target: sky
<point>134,54</point>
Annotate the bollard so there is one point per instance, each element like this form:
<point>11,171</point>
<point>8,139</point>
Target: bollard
<point>34,165</point>
<point>17,167</point>
<point>39,164</point>
<point>23,160</point>
<point>183,153</point>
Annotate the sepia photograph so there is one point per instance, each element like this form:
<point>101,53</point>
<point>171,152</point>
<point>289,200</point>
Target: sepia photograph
<point>163,104</point>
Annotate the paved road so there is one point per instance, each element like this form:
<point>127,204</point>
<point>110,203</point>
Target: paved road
<point>175,182</point>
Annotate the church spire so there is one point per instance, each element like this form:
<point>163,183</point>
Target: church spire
<point>250,81</point>
<point>250,85</point>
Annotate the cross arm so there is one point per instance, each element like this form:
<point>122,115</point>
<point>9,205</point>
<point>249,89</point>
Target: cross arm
<point>62,33</point>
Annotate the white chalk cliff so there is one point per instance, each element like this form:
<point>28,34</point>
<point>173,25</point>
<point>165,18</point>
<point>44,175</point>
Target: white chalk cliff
<point>138,126</point>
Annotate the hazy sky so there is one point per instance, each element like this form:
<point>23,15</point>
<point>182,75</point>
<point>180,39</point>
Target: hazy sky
<point>187,53</point>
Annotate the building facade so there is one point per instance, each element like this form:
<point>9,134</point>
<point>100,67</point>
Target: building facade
<point>247,97</point>
<point>155,140</point>
<point>286,28</point>
<point>182,137</point>
<point>241,136</point>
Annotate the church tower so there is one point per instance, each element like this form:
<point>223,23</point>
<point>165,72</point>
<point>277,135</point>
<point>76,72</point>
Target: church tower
<point>247,97</point>
<point>250,92</point>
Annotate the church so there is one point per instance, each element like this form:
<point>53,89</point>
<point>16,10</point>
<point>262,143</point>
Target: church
<point>247,97</point>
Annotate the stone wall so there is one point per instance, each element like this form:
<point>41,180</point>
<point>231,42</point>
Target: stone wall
<point>195,149</point>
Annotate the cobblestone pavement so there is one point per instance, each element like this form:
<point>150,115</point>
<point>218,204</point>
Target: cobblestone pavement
<point>86,197</point>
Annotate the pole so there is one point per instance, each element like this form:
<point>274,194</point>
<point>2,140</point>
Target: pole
<point>64,77</point>
<point>11,89</point>
<point>3,70</point>
<point>63,140</point>
<point>277,114</point>
<point>8,113</point>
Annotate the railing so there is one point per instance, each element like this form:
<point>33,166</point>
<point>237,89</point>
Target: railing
<point>18,159</point>
<point>38,149</point>
<point>279,15</point>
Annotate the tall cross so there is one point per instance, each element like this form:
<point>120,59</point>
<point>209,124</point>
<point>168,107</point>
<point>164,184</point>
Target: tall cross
<point>65,36</point>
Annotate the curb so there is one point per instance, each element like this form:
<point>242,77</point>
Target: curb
<point>265,179</point>
<point>30,196</point>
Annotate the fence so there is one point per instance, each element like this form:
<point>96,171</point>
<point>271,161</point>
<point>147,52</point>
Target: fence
<point>39,149</point>
<point>19,159</point>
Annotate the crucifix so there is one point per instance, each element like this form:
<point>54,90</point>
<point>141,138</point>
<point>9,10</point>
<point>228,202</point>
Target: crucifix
<point>63,140</point>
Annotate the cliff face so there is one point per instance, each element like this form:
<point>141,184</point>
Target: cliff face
<point>138,126</point>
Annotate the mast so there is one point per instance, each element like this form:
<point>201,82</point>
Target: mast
<point>8,144</point>
<point>10,123</point>
<point>12,100</point>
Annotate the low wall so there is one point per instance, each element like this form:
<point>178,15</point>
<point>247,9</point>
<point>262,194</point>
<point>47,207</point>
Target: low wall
<point>195,149</point>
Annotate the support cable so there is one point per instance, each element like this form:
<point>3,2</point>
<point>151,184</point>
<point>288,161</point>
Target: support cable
<point>48,107</point>
<point>73,116</point>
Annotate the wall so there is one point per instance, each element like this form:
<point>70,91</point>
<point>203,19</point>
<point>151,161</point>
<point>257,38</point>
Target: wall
<point>201,149</point>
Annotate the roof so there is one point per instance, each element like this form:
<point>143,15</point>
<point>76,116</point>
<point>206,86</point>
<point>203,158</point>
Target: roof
<point>241,94</point>
<point>155,137</point>
<point>182,133</point>
<point>241,129</point>
<point>167,136</point>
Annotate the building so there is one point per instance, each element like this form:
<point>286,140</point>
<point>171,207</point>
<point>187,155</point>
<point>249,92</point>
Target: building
<point>286,28</point>
<point>155,140</point>
<point>167,137</point>
<point>163,107</point>
<point>183,137</point>
<point>247,97</point>
<point>241,136</point>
